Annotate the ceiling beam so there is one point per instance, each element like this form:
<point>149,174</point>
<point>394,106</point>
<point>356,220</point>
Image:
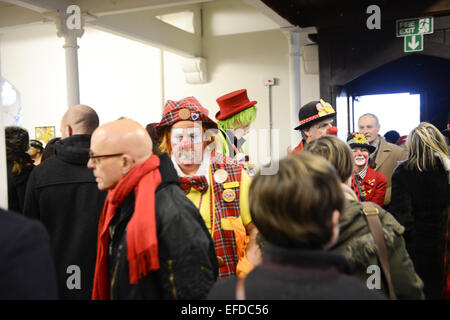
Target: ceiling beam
<point>142,27</point>
<point>41,6</point>
<point>268,12</point>
<point>14,16</point>
<point>107,7</point>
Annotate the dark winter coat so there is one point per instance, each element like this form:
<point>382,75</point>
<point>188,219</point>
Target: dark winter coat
<point>358,245</point>
<point>188,261</point>
<point>294,274</point>
<point>26,265</point>
<point>418,203</point>
<point>17,185</point>
<point>62,193</point>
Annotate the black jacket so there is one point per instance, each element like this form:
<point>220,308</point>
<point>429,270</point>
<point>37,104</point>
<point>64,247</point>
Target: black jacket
<point>188,261</point>
<point>418,203</point>
<point>294,274</point>
<point>17,184</point>
<point>26,266</point>
<point>63,195</point>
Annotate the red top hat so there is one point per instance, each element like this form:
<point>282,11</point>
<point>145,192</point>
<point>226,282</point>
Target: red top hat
<point>232,103</point>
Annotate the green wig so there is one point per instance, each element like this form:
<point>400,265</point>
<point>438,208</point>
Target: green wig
<point>241,119</point>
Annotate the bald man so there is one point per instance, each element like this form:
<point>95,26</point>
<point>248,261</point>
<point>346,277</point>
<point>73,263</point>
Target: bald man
<point>62,194</point>
<point>153,243</point>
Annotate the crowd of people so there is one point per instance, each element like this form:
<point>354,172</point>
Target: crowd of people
<point>176,210</point>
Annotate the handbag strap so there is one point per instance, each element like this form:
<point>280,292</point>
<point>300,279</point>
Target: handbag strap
<point>373,220</point>
<point>240,289</point>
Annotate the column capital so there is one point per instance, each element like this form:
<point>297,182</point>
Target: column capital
<point>63,24</point>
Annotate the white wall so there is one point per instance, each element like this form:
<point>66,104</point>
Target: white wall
<point>237,62</point>
<point>33,61</point>
<point>118,77</point>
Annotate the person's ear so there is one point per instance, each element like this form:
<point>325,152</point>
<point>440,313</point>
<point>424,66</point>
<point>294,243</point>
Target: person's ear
<point>127,163</point>
<point>69,131</point>
<point>334,229</point>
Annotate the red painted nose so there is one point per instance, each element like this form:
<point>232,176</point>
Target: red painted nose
<point>333,130</point>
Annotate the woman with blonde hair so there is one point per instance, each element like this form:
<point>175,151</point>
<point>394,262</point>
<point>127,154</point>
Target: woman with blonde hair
<point>420,200</point>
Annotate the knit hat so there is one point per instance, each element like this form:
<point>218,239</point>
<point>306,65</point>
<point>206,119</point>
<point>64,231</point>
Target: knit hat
<point>392,136</point>
<point>356,139</point>
<point>187,109</point>
<point>313,112</point>
<point>233,103</point>
<point>16,141</point>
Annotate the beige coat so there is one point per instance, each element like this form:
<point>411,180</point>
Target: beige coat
<point>388,156</point>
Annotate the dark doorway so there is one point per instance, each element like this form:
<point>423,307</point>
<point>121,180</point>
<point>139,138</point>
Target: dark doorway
<point>425,75</point>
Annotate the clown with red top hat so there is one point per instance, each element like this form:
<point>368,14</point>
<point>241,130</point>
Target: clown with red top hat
<point>316,120</point>
<point>216,184</point>
<point>236,115</point>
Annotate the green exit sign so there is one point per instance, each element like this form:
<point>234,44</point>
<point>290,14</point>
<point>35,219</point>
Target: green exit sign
<point>413,43</point>
<point>409,27</point>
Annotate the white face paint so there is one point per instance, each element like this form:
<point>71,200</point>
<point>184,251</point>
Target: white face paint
<point>360,161</point>
<point>241,132</point>
<point>361,156</point>
<point>187,145</point>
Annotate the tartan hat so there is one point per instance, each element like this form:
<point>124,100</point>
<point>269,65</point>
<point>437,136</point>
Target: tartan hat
<point>356,139</point>
<point>313,112</point>
<point>187,109</point>
<point>233,103</point>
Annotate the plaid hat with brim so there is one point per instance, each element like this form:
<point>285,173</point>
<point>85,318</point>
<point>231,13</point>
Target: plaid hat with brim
<point>187,109</point>
<point>313,112</point>
<point>359,140</point>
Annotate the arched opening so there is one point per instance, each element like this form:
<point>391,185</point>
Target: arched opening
<point>422,75</point>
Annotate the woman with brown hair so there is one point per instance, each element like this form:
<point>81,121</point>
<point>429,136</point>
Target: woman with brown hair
<point>420,200</point>
<point>36,151</point>
<point>299,219</point>
<point>355,240</point>
<point>19,165</point>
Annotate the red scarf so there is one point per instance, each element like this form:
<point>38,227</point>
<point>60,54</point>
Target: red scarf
<point>142,242</point>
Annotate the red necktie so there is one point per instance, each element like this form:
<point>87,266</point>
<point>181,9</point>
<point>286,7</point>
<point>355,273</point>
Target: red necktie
<point>198,183</point>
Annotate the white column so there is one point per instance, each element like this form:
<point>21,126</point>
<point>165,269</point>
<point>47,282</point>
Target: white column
<point>71,50</point>
<point>72,80</point>
<point>293,34</point>
<point>3,175</point>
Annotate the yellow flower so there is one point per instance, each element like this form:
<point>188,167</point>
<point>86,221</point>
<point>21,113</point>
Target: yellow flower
<point>328,108</point>
<point>360,138</point>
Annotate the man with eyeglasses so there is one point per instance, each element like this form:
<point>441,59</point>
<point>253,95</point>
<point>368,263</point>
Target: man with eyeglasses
<point>63,195</point>
<point>152,242</point>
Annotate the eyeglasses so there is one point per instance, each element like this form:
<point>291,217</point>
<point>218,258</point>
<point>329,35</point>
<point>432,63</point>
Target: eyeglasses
<point>95,158</point>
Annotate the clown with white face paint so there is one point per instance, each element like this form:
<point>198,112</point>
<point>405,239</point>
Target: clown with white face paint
<point>216,184</point>
<point>368,184</point>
